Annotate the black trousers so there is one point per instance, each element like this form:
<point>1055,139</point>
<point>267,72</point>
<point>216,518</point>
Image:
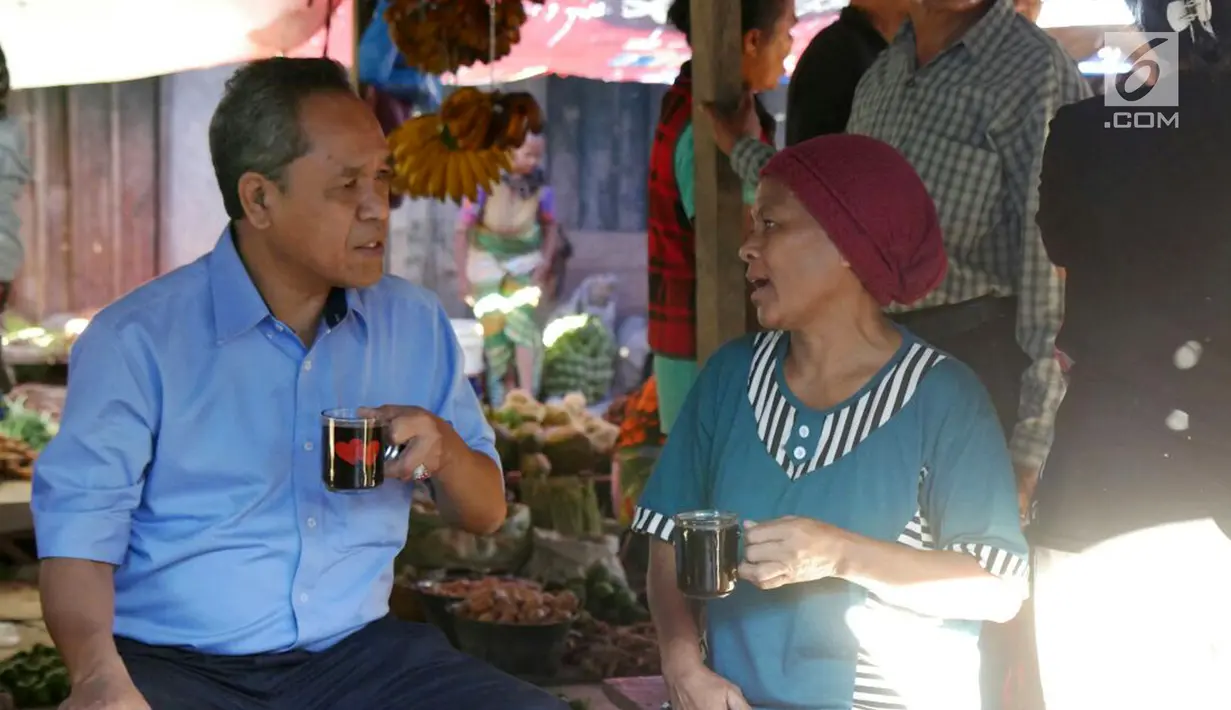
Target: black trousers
<point>982,334</point>
<point>389,665</point>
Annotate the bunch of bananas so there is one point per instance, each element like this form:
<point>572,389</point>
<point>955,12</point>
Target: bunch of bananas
<point>478,120</point>
<point>428,162</point>
<point>439,36</point>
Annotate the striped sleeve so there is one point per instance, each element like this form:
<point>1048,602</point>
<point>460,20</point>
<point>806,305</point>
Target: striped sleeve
<point>969,495</point>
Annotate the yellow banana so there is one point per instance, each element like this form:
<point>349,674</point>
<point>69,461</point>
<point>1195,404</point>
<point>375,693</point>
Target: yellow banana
<point>487,164</point>
<point>469,180</point>
<point>418,185</point>
<point>453,179</point>
<point>436,181</point>
<point>478,166</point>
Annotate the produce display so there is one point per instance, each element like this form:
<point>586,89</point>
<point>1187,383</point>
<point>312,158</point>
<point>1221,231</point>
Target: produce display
<point>555,448</point>
<point>607,599</point>
<point>579,358</point>
<point>24,432</point>
<point>540,439</point>
<point>462,588</point>
<point>35,678</point>
<point>520,605</point>
<point>637,449</point>
<point>566,504</point>
<point>29,343</point>
<point>600,650</point>
<point>431,543</point>
<point>441,36</point>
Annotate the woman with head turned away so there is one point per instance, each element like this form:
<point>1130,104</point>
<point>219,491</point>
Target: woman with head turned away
<point>867,469</point>
<point>766,42</point>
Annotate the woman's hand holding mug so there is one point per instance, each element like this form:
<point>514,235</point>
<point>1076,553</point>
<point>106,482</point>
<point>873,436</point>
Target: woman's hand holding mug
<point>790,550</point>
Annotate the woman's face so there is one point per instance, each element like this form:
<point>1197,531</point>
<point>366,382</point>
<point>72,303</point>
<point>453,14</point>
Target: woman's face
<point>765,53</point>
<point>793,266</point>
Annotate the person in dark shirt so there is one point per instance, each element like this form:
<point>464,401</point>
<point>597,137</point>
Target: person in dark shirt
<point>823,83</point>
<point>1132,553</point>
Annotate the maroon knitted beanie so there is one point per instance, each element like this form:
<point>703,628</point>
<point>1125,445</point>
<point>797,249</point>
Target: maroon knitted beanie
<point>875,209</point>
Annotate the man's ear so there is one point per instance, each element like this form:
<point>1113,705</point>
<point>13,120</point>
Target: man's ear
<point>752,42</point>
<point>256,193</point>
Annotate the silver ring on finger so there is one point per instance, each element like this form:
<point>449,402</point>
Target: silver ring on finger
<point>420,473</point>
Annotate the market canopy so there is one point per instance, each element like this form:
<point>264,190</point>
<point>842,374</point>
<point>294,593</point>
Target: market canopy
<point>63,42</point>
<point>630,40</point>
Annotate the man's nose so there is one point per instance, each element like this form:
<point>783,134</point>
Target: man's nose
<point>375,205</point>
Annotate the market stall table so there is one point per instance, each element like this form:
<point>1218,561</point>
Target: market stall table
<point>646,693</point>
<point>15,507</point>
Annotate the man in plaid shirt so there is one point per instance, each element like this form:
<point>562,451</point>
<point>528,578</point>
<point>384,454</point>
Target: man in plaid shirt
<point>966,92</point>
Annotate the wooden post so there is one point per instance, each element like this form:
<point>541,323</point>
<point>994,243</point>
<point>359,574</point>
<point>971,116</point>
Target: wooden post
<point>722,304</point>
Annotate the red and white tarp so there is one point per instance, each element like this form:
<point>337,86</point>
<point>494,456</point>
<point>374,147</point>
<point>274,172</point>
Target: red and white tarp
<point>62,42</point>
<point>617,40</point>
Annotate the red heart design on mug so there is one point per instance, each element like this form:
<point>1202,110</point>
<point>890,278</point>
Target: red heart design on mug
<point>348,451</point>
<point>373,450</point>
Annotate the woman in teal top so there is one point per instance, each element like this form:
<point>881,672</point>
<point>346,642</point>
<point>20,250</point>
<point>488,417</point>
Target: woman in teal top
<point>871,472</point>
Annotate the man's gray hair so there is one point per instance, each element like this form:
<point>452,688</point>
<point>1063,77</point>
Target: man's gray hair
<point>4,86</point>
<point>256,127</point>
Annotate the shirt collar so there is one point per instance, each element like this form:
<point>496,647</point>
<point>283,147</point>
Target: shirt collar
<point>982,39</point>
<point>239,307</point>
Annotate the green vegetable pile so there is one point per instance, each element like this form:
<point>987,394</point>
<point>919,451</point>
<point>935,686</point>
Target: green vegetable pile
<point>606,599</point>
<point>580,360</point>
<point>36,678</point>
<point>28,425</point>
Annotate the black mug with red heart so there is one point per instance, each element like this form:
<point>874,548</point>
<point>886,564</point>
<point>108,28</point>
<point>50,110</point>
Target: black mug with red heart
<point>354,450</point>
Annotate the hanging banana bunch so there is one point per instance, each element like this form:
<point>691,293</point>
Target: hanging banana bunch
<point>440,36</point>
<point>463,149</point>
<point>428,162</point>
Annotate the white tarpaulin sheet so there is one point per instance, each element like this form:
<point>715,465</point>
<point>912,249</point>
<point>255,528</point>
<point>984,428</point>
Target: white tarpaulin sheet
<point>62,42</point>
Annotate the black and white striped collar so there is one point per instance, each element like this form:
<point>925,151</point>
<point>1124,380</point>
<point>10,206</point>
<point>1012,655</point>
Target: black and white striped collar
<point>801,440</point>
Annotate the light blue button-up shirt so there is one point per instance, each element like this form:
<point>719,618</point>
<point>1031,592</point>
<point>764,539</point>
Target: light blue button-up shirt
<point>189,457</point>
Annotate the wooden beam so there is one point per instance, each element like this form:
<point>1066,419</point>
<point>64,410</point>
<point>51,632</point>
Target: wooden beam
<point>722,303</point>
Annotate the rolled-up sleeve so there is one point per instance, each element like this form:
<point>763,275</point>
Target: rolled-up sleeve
<point>459,403</point>
<point>969,496</point>
<point>89,479</point>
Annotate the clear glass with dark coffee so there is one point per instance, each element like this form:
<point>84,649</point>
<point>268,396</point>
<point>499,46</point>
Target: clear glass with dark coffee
<point>354,450</point>
<point>707,553</point>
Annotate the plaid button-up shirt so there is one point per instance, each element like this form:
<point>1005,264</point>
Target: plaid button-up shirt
<point>973,122</point>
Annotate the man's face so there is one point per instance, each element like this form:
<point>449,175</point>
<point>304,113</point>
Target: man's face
<point>331,220</point>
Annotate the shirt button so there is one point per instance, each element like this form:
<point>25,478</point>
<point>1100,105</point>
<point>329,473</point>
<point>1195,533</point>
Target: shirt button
<point>804,431</point>
<point>800,452</point>
<point>307,446</point>
<point>307,365</point>
<point>303,598</point>
<point>311,522</point>
<point>279,327</point>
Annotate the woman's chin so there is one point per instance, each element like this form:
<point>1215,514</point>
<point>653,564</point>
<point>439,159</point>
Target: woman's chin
<point>768,318</point>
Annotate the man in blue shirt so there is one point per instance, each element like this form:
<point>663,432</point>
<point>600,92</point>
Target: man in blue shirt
<point>192,557</point>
